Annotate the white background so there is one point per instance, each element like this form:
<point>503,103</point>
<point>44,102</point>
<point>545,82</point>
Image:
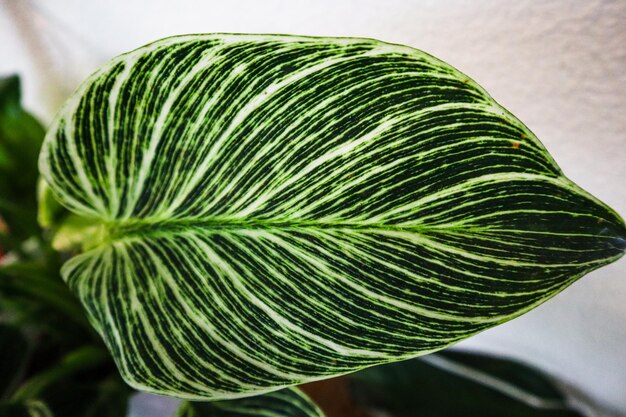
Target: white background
<point>560,66</point>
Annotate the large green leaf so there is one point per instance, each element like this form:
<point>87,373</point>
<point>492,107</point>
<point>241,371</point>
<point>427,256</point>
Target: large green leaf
<point>268,210</point>
<point>289,402</point>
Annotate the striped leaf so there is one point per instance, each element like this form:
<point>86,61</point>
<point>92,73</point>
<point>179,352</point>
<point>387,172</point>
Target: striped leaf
<point>269,210</point>
<point>289,402</point>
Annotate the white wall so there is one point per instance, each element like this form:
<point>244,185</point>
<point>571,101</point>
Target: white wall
<point>559,65</point>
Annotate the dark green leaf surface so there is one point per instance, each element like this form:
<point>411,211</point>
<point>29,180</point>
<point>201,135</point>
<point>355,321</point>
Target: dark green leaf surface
<point>14,353</point>
<point>30,408</point>
<point>79,385</point>
<point>88,399</point>
<point>33,294</point>
<point>270,210</point>
<point>21,136</point>
<point>289,402</point>
<point>452,384</point>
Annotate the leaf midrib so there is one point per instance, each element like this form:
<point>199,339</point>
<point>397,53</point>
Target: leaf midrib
<point>115,230</point>
<point>146,227</point>
<point>143,228</point>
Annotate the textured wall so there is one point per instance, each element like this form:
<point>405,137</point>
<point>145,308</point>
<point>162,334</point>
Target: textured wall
<point>559,65</point>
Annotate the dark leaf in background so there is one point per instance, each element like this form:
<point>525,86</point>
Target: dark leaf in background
<point>30,408</point>
<point>453,384</point>
<point>72,399</point>
<point>32,294</point>
<point>82,384</point>
<point>58,370</point>
<point>14,352</point>
<point>21,136</point>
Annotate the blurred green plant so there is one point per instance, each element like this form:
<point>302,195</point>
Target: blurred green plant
<point>52,362</point>
<point>21,136</point>
<point>454,383</point>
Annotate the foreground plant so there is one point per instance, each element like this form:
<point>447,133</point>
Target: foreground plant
<point>261,211</point>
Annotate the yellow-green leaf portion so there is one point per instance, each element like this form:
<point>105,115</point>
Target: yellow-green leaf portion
<point>281,209</point>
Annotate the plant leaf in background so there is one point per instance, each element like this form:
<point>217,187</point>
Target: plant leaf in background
<point>21,136</point>
<point>14,357</point>
<point>78,386</point>
<point>289,402</point>
<point>51,362</point>
<point>14,354</point>
<point>270,210</point>
<point>30,408</point>
<point>88,399</point>
<point>452,384</point>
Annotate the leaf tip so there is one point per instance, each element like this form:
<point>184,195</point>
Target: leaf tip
<point>620,237</point>
<point>614,230</point>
